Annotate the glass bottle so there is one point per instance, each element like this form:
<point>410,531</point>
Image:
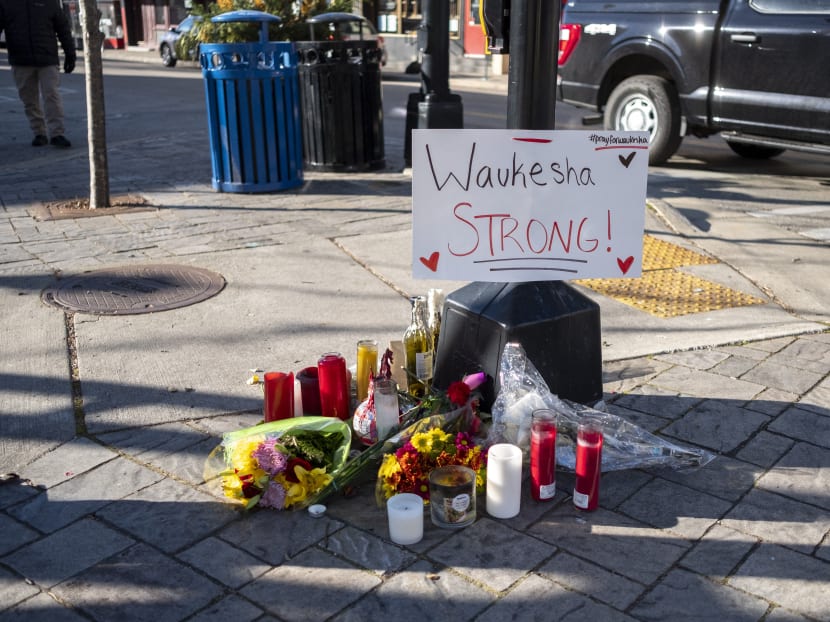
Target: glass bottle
<point>417,341</point>
<point>435,304</point>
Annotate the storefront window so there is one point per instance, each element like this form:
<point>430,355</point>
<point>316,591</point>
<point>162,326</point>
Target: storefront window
<point>404,16</point>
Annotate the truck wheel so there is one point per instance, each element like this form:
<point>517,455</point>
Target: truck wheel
<point>649,104</point>
<point>755,152</point>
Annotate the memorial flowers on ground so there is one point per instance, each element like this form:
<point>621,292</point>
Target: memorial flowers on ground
<point>408,468</point>
<point>443,415</point>
<point>280,465</point>
<point>294,463</point>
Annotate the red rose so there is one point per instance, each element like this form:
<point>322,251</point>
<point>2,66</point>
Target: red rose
<point>290,475</point>
<point>459,393</point>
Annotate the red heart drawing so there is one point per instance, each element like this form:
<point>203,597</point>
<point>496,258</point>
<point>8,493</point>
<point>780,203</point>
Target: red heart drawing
<point>624,264</point>
<point>432,262</point>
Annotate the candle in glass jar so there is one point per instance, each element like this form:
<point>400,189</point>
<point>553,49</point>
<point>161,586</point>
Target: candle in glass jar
<point>334,386</point>
<point>367,364</point>
<point>504,480</point>
<point>309,390</point>
<point>543,454</point>
<point>406,518</point>
<point>279,396</point>
<point>452,496</point>
<point>588,465</point>
<point>387,413</point>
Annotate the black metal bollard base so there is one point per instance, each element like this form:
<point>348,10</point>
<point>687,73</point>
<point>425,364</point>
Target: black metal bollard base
<point>431,111</point>
<point>558,327</point>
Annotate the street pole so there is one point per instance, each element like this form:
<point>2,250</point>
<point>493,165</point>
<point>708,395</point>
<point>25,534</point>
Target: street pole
<point>534,46</point>
<point>558,326</point>
<point>433,107</point>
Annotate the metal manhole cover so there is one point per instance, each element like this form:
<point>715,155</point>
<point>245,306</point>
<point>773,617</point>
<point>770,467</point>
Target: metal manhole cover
<point>135,289</point>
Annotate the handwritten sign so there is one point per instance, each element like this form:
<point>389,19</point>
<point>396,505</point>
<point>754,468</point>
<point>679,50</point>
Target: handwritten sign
<point>526,205</point>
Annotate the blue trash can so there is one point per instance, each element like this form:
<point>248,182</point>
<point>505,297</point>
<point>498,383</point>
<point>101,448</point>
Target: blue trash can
<point>253,110</point>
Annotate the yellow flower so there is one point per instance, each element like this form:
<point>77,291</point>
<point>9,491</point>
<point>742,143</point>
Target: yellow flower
<point>389,466</point>
<point>438,435</point>
<point>225,5</point>
<point>422,441</point>
<point>389,489</point>
<point>232,485</point>
<point>241,458</point>
<point>259,5</point>
<point>309,483</point>
<point>313,480</point>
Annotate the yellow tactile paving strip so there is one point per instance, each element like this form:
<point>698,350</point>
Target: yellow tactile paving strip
<point>666,292</point>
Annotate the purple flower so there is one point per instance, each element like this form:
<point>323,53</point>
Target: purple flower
<point>270,459</point>
<point>273,497</point>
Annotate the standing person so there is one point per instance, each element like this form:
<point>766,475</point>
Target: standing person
<point>32,29</point>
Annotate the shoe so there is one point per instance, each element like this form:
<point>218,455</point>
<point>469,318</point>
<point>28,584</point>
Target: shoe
<point>60,141</point>
<point>39,140</point>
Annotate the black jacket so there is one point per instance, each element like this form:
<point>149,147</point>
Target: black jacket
<point>32,29</point>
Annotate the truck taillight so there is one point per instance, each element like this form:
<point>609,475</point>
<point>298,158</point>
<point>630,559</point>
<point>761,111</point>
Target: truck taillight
<point>568,38</point>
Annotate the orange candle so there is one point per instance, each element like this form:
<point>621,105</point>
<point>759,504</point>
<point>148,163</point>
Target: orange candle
<point>367,363</point>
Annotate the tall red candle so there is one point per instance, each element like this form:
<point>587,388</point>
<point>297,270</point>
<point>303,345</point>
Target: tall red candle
<point>543,455</point>
<point>588,466</point>
<point>334,386</point>
<point>310,390</point>
<point>279,396</point>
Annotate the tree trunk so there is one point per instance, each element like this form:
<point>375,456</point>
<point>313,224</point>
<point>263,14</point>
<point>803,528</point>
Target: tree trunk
<point>99,187</point>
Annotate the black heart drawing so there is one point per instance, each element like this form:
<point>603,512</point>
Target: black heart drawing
<point>626,161</point>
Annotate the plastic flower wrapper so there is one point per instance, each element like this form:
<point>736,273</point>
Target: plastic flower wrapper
<point>625,446</point>
<point>281,464</point>
<point>435,411</point>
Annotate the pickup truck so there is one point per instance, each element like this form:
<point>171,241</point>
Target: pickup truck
<point>756,72</point>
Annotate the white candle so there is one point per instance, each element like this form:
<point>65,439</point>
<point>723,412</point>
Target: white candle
<point>406,518</point>
<point>504,480</point>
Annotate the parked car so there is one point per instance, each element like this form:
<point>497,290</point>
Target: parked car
<point>170,48</point>
<point>346,27</point>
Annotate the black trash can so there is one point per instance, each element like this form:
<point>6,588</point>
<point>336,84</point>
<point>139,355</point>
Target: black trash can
<point>340,95</point>
<point>253,110</point>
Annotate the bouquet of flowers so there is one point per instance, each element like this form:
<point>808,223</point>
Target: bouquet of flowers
<point>407,470</point>
<point>454,411</point>
<point>282,464</point>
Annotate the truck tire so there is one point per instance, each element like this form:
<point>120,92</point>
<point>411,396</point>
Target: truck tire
<point>647,103</point>
<point>754,152</point>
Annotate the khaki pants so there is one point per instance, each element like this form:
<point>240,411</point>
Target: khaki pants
<point>34,83</point>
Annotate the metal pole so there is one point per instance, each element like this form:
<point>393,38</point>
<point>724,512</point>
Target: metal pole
<point>534,47</point>
<point>433,107</point>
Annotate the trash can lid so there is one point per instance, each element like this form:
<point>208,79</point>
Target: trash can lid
<point>245,15</point>
<point>333,17</point>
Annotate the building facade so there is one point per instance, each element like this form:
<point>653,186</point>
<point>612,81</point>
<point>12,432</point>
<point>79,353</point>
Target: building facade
<point>140,23</point>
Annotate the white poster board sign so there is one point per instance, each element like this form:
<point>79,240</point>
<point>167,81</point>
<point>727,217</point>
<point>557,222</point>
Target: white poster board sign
<point>528,205</point>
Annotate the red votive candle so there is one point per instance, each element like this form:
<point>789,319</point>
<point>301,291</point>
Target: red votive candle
<point>334,386</point>
<point>279,396</point>
<point>310,390</point>
<point>543,455</point>
<point>588,466</point>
